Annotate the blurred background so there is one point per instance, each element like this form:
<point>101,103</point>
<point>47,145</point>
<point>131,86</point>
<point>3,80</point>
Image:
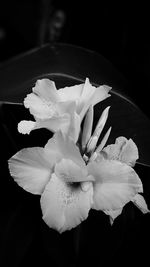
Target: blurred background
<point>118,31</point>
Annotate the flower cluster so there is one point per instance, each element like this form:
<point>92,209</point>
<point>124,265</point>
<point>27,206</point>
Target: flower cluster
<point>72,173</point>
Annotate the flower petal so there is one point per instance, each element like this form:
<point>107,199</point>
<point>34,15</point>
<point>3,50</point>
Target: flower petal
<point>46,89</point>
<point>113,214</point>
<point>39,108</point>
<point>129,153</point>
<point>88,91</point>
<point>69,171</point>
<point>66,107</point>
<point>139,201</point>
<point>73,128</point>
<point>25,127</point>
<point>94,94</point>
<point>30,169</point>
<point>64,206</point>
<point>123,150</point>
<point>55,124</point>
<point>113,151</point>
<point>66,148</point>
<point>115,184</point>
<point>71,93</point>
<point>101,93</point>
<point>68,123</point>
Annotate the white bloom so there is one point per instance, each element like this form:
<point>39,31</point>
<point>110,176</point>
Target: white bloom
<point>58,173</point>
<point>72,181</point>
<point>61,109</point>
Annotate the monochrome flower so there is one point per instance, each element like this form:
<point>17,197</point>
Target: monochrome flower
<point>74,175</point>
<point>61,109</point>
<point>58,173</point>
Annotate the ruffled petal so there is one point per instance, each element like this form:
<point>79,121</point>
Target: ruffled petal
<point>64,206</point>
<point>69,123</point>
<point>115,184</point>
<point>123,150</point>
<point>30,169</point>
<point>55,124</point>
<point>25,127</point>
<point>46,89</point>
<point>113,151</point>
<point>129,153</point>
<point>65,147</point>
<point>69,171</point>
<point>39,108</point>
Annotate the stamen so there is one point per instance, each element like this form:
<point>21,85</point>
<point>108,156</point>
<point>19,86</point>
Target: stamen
<point>87,128</point>
<point>104,140</point>
<point>92,144</point>
<point>100,125</point>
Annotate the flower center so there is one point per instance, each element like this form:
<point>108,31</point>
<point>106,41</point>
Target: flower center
<point>70,194</point>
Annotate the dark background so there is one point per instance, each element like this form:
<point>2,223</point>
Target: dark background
<point>117,30</point>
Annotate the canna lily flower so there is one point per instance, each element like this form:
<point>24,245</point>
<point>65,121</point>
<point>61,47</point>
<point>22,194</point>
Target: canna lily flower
<point>72,179</point>
<point>61,109</point>
<point>115,185</point>
<point>115,181</point>
<point>59,174</point>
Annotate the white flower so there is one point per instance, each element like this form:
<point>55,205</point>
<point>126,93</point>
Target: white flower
<point>58,173</point>
<point>72,179</point>
<point>61,109</point>
<point>69,187</point>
